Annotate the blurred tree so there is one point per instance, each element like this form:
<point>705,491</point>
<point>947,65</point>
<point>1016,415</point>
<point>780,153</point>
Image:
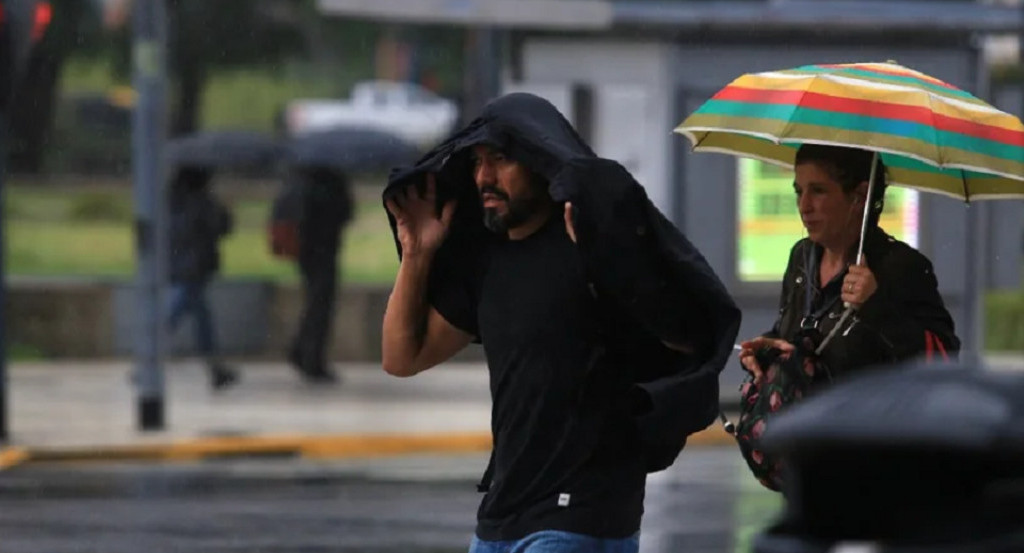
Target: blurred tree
<point>74,27</point>
<point>203,35</point>
<point>207,34</point>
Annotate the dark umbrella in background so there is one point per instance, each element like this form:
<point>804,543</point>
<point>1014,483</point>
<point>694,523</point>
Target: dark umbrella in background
<point>243,151</point>
<point>350,150</point>
<point>922,458</point>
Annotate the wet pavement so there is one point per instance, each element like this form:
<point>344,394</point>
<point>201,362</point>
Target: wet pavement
<point>705,503</point>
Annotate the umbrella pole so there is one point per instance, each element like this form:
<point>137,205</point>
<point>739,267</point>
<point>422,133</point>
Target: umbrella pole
<point>863,227</point>
<point>867,208</point>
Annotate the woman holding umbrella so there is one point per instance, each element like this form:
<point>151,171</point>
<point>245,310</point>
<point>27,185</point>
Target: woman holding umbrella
<point>839,315</point>
<point>842,311</point>
<point>897,310</point>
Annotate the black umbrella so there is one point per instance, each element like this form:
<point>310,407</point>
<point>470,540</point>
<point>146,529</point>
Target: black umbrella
<point>351,150</point>
<point>925,458</point>
<point>237,150</point>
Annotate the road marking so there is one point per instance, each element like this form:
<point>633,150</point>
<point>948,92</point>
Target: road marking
<point>12,456</point>
<point>309,447</point>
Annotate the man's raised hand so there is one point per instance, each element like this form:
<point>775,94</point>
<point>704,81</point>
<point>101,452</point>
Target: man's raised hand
<point>420,230</point>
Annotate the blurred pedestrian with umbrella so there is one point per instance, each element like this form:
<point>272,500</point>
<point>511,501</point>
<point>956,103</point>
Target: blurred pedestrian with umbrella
<point>308,219</point>
<point>853,296</point>
<point>318,201</point>
<point>198,221</point>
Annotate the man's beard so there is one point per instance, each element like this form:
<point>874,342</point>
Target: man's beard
<point>518,212</point>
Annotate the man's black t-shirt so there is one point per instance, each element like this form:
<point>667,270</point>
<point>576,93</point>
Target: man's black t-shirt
<point>566,456</point>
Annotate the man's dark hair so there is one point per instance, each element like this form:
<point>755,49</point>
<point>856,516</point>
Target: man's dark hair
<point>849,167</point>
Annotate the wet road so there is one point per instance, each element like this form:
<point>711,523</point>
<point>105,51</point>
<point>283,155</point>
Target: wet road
<point>706,503</point>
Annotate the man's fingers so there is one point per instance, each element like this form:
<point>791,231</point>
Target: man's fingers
<point>447,212</point>
<point>431,188</point>
<point>569,227</point>
<point>393,207</point>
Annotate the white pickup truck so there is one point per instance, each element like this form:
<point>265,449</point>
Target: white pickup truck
<point>404,109</point>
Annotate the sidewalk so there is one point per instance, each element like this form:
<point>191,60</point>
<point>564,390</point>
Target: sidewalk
<point>64,411</point>
<point>86,410</point>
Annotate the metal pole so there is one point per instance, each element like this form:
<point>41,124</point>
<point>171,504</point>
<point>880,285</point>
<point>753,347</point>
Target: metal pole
<point>975,281</point>
<point>3,283</point>
<point>482,80</point>
<point>18,43</point>
<point>149,121</point>
<point>489,64</point>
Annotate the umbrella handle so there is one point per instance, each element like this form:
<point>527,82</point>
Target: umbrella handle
<point>867,212</point>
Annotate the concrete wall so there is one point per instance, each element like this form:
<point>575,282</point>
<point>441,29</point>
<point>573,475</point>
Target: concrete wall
<point>60,317</point>
<point>632,122</point>
<point>253,319</point>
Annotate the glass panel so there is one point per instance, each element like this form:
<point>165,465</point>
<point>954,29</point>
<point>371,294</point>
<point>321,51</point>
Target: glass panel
<point>769,225</point>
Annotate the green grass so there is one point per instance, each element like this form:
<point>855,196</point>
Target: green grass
<point>89,75</point>
<point>1004,320</point>
<point>50,233</point>
<point>239,98</point>
<point>264,94</point>
<point>85,230</point>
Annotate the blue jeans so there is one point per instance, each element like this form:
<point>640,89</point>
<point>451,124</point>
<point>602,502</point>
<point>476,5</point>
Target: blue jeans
<point>554,541</point>
<point>190,297</point>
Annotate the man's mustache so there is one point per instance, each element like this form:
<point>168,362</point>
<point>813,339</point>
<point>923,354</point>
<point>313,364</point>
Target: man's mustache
<point>494,191</point>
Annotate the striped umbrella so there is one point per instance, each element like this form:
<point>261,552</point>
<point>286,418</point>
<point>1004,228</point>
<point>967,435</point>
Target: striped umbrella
<point>931,135</point>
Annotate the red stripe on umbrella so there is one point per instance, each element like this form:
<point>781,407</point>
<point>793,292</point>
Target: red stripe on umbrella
<point>870,108</point>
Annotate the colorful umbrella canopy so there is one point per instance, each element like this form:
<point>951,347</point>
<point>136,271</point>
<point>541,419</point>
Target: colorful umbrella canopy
<point>931,135</point>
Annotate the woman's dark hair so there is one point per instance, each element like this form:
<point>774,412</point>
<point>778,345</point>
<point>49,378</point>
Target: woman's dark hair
<point>849,167</point>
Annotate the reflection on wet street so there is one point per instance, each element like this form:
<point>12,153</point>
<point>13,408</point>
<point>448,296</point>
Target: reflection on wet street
<point>706,503</point>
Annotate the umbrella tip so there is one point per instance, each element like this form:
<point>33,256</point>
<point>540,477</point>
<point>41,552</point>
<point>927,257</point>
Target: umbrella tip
<point>894,62</point>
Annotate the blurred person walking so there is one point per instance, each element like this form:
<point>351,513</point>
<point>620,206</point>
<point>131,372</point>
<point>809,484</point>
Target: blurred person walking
<point>318,202</point>
<point>603,327</point>
<point>198,221</point>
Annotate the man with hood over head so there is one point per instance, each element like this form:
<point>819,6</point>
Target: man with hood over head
<point>604,329</point>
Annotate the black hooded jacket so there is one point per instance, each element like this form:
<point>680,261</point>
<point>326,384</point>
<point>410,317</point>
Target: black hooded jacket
<point>655,286</point>
<point>636,256</point>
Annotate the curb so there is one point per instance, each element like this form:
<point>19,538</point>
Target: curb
<point>12,456</point>
<point>307,447</point>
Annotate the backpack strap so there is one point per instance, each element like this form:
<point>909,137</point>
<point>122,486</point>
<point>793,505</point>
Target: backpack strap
<point>932,346</point>
<point>813,316</point>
